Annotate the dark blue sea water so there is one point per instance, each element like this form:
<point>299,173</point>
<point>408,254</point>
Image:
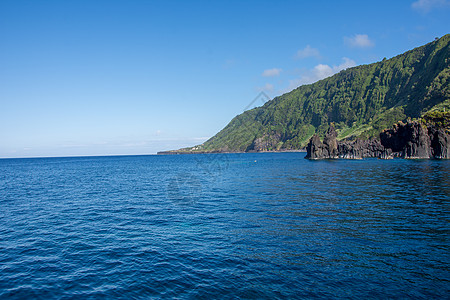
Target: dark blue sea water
<point>269,225</point>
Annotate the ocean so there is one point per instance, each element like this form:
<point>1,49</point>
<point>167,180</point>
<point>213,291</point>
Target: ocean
<point>255,225</point>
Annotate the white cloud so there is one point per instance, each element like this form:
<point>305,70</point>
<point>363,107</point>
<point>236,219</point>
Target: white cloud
<point>359,41</point>
<point>271,72</point>
<point>427,5</point>
<point>308,51</point>
<point>347,63</point>
<point>319,72</point>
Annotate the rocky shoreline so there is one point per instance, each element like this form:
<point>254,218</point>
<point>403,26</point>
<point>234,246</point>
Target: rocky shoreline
<point>413,140</point>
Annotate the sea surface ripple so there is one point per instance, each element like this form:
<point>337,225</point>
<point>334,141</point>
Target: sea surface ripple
<point>267,225</point>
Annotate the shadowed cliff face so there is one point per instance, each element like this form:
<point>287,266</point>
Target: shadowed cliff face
<point>441,144</point>
<point>417,140</point>
<point>265,143</point>
<point>331,148</point>
<point>330,142</point>
<point>413,140</point>
<point>328,149</point>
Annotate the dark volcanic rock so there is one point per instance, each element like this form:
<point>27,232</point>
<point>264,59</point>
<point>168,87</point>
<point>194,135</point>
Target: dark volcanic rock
<point>330,143</point>
<point>315,148</point>
<point>440,144</point>
<point>265,143</point>
<point>360,149</point>
<point>413,140</point>
<point>328,149</point>
<point>331,148</point>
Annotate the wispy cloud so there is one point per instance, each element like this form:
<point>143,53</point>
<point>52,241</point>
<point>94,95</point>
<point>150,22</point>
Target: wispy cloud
<point>426,6</point>
<point>308,51</point>
<point>319,72</point>
<point>266,88</point>
<point>359,41</point>
<point>271,72</point>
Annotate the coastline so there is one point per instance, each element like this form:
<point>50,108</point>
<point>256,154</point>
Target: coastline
<point>177,152</point>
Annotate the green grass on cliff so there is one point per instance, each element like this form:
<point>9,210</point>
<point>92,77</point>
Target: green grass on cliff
<point>439,116</point>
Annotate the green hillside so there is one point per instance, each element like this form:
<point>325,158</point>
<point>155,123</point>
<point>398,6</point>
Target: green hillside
<point>361,101</point>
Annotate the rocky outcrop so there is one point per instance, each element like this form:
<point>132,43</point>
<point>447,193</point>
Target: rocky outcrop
<point>328,149</point>
<point>359,149</point>
<point>330,142</point>
<point>331,148</point>
<point>265,143</point>
<point>315,148</point>
<point>356,149</point>
<point>417,139</point>
<point>413,140</point>
<point>440,144</point>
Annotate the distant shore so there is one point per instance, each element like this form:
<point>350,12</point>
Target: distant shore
<point>176,152</point>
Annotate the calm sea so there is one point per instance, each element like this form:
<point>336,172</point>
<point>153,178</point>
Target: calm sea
<point>268,225</point>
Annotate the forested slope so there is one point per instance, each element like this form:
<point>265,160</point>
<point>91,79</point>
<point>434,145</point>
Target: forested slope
<point>360,101</point>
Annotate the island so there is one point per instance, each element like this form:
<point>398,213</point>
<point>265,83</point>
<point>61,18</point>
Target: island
<point>397,107</point>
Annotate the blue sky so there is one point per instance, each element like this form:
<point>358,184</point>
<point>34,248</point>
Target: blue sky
<point>137,77</point>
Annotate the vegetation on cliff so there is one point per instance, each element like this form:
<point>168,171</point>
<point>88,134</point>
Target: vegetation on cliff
<point>438,117</point>
<point>360,101</point>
